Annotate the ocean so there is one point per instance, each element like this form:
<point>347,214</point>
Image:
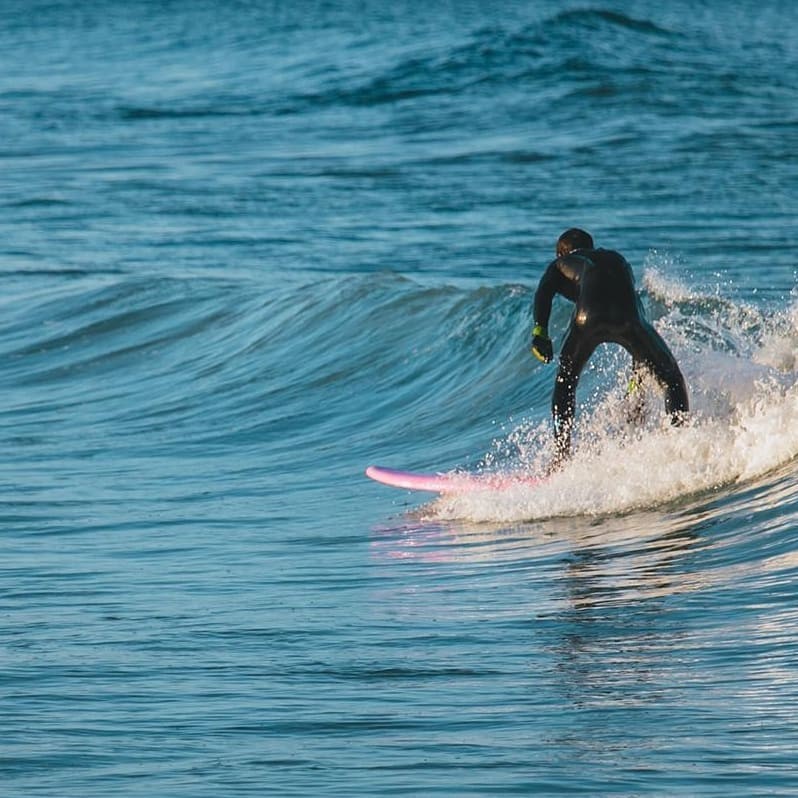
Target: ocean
<point>250,248</point>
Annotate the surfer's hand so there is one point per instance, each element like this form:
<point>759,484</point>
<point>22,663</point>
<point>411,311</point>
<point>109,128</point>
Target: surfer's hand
<point>541,345</point>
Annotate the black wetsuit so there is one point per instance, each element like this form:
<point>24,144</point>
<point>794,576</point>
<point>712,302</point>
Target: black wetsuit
<point>608,310</point>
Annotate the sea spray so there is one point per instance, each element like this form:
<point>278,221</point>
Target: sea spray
<point>743,423</point>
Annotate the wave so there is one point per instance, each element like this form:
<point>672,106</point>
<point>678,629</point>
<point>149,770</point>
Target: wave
<point>206,362</point>
<point>601,19</point>
<point>511,55</point>
<point>740,365</point>
<point>382,368</point>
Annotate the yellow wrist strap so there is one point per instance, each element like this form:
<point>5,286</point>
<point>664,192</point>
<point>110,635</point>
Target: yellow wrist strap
<point>539,331</point>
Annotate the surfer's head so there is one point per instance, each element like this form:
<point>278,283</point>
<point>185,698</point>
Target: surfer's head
<point>573,239</point>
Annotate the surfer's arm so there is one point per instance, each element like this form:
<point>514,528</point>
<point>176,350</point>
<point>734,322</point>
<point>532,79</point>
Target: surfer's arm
<point>549,285</point>
<point>552,282</point>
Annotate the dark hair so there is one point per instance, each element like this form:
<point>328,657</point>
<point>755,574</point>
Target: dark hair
<point>573,239</point>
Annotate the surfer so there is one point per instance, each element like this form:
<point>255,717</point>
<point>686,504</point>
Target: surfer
<point>608,310</point>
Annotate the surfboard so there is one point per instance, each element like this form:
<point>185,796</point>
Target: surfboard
<point>451,482</point>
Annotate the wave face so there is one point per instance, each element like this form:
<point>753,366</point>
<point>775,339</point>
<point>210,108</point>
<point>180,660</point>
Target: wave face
<point>250,248</point>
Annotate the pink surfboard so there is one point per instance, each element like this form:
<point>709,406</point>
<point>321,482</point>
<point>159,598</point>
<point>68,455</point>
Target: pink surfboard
<point>452,482</point>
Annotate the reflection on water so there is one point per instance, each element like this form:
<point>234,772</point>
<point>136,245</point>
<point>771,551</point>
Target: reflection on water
<point>633,635</point>
<point>617,559</point>
<point>608,598</point>
<point>623,558</point>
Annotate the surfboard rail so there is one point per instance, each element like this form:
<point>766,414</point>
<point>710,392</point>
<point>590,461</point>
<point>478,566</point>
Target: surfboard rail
<point>446,482</point>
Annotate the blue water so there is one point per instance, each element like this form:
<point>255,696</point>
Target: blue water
<point>249,248</point>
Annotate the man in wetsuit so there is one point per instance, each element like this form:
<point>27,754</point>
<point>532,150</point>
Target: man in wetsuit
<point>608,310</point>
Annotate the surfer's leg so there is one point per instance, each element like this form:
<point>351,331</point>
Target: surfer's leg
<point>649,349</point>
<point>575,352</point>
